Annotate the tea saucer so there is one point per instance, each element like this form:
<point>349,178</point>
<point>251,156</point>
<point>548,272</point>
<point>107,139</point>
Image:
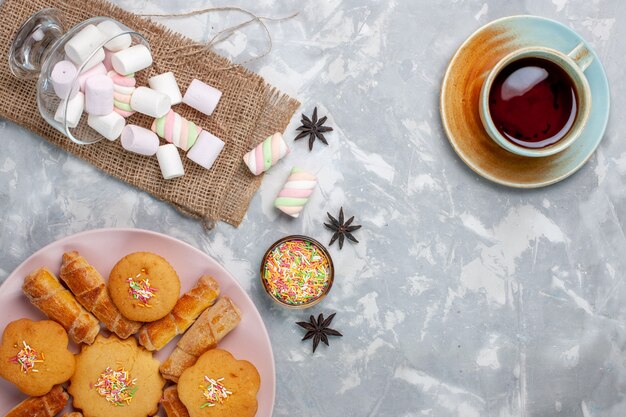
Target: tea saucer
<point>460,95</point>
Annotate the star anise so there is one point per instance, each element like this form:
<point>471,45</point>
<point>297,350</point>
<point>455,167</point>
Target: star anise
<point>313,128</point>
<point>318,329</point>
<point>342,230</point>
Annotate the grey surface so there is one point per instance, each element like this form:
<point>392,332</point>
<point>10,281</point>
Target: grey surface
<point>463,298</point>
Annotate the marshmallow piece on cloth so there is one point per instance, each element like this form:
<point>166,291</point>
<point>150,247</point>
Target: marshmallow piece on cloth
<point>177,130</point>
<point>131,59</point>
<point>139,140</point>
<point>110,126</point>
<point>206,149</point>
<point>123,89</point>
<point>150,102</point>
<point>99,95</point>
<point>63,79</point>
<point>202,97</point>
<point>169,161</point>
<point>296,192</point>
<point>110,30</point>
<point>83,44</point>
<point>74,110</point>
<point>166,83</point>
<point>266,154</point>
<point>84,76</point>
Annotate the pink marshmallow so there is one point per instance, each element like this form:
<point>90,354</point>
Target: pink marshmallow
<point>63,79</point>
<point>107,60</point>
<point>206,149</point>
<point>99,95</point>
<point>139,140</point>
<point>202,97</point>
<point>83,76</point>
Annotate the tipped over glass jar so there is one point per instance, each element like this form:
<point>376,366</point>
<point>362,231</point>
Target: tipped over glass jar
<point>64,59</point>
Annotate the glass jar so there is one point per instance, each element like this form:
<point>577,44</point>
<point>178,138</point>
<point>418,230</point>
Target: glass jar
<point>38,46</point>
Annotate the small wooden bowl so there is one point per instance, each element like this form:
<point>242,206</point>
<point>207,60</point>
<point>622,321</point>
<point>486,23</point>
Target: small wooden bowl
<point>324,252</point>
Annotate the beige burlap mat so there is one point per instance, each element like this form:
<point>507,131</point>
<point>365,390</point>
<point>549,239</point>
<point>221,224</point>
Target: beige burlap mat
<point>249,111</point>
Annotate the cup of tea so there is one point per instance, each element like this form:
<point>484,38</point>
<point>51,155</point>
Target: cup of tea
<point>536,101</point>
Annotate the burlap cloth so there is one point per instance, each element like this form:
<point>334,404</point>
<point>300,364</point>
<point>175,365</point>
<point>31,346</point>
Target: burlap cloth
<point>249,111</point>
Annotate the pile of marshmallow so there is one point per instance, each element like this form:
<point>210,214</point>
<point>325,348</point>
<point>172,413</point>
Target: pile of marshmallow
<point>106,91</point>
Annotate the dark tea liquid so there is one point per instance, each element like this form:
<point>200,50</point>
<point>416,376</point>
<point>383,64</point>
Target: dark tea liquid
<point>533,102</point>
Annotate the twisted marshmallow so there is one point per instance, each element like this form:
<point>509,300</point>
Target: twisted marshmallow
<point>123,87</point>
<point>177,130</point>
<point>296,192</point>
<point>266,154</point>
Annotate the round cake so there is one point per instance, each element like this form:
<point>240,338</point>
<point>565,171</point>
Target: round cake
<point>144,286</point>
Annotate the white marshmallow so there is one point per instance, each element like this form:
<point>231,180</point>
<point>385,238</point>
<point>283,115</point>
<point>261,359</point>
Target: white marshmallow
<point>63,78</point>
<point>131,59</point>
<point>166,83</point>
<point>82,78</point>
<point>206,149</point>
<point>74,110</point>
<point>110,126</point>
<point>170,162</point>
<point>94,60</point>
<point>99,95</point>
<point>38,35</point>
<point>83,44</point>
<point>202,97</point>
<point>150,102</point>
<point>139,140</point>
<point>110,30</point>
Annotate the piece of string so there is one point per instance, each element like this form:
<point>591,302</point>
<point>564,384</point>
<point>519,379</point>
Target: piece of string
<point>224,34</point>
